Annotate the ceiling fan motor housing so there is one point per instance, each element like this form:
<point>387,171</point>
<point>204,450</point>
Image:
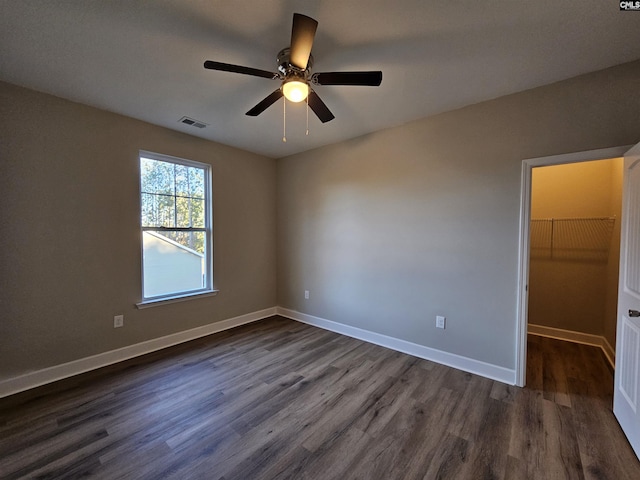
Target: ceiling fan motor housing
<point>287,70</point>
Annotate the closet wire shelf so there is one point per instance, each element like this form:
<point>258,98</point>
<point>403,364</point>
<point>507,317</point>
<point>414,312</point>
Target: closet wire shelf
<point>572,239</point>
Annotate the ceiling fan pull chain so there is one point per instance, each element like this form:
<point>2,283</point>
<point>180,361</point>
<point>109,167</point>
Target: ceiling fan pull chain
<point>284,120</point>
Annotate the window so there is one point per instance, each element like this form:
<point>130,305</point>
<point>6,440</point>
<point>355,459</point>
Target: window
<point>175,219</point>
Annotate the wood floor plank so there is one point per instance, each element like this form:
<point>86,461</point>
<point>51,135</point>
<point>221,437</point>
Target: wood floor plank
<point>431,383</point>
<point>595,427</point>
<point>488,444</point>
<point>278,399</point>
<point>449,459</point>
<point>554,375</point>
<point>408,427</point>
<point>562,458</point>
<point>374,419</point>
<point>515,470</point>
<point>331,460</point>
<point>470,412</point>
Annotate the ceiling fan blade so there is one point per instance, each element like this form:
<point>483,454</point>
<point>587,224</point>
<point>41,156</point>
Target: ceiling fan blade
<point>319,108</point>
<point>266,103</point>
<point>302,33</point>
<point>370,79</point>
<point>227,67</point>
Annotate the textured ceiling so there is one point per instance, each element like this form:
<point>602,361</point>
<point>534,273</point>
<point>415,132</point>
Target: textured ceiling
<point>145,59</point>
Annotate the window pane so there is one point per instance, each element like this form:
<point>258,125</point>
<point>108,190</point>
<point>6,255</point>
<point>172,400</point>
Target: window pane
<point>197,213</point>
<point>157,210</point>
<point>189,212</point>
<point>157,176</point>
<point>182,180</point>
<point>196,182</point>
<point>170,266</point>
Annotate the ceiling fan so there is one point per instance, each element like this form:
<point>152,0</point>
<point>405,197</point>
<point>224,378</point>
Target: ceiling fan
<point>294,72</point>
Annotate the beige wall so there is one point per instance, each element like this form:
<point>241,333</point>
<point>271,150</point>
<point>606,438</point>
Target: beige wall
<point>576,190</point>
<point>388,230</point>
<point>70,256</point>
<point>574,292</point>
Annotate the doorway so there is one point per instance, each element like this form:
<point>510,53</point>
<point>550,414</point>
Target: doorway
<point>526,245</point>
<point>574,253</point>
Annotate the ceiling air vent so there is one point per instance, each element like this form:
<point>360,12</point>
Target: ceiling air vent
<point>193,122</point>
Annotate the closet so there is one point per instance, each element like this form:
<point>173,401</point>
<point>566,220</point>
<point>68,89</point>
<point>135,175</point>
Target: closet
<point>575,250</point>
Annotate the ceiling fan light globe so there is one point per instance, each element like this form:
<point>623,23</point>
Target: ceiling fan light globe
<point>295,90</point>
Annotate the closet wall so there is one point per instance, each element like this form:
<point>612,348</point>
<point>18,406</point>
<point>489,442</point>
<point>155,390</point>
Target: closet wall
<point>575,240</point>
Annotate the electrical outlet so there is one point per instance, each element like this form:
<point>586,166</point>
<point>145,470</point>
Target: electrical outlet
<point>440,321</point>
<point>118,321</point>
<point>306,294</point>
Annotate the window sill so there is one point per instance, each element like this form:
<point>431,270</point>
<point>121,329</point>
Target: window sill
<point>176,299</point>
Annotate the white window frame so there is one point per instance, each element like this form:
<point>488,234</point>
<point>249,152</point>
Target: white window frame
<point>207,289</point>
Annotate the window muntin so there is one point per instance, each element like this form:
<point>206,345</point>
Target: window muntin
<point>175,216</point>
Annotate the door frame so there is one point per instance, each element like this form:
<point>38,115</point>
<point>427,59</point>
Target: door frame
<point>523,247</point>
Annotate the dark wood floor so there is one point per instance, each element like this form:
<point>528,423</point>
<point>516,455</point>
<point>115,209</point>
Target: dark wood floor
<point>279,399</point>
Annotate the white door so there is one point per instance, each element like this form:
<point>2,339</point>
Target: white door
<point>626,397</point>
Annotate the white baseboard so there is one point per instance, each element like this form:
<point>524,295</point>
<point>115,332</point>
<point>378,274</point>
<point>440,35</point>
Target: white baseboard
<point>609,352</point>
<point>576,337</point>
<point>494,372</point>
<point>466,364</point>
<point>65,370</point>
